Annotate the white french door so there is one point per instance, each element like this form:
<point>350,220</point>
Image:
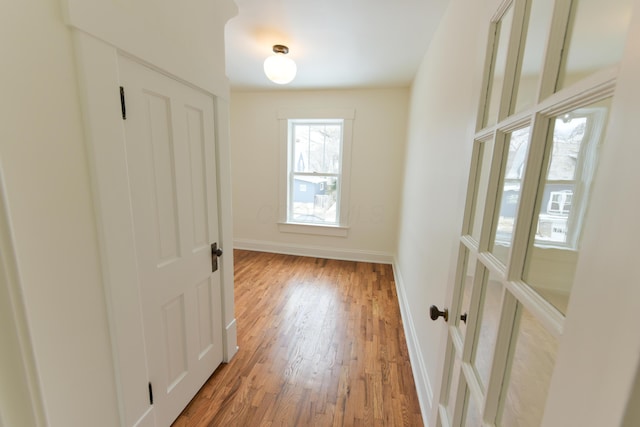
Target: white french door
<point>170,146</point>
<point>550,74</point>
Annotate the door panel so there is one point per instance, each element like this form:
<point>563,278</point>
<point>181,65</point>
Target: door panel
<point>528,194</point>
<point>594,47</point>
<point>488,328</point>
<point>454,378</point>
<point>164,215</point>
<point>532,358</point>
<point>195,128</point>
<point>205,315</point>
<point>175,342</point>
<point>169,134</point>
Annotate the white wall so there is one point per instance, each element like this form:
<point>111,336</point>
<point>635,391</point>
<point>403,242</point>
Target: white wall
<point>599,350</point>
<point>379,133</point>
<point>182,38</point>
<point>20,403</point>
<point>49,201</point>
<point>441,125</point>
<point>48,190</point>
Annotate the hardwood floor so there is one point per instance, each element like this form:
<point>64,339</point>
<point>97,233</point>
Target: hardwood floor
<point>321,344</point>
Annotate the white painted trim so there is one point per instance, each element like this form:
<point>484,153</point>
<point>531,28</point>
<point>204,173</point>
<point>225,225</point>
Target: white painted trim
<point>418,368</point>
<point>314,251</point>
<point>230,341</point>
<point>317,113</point>
<point>147,419</point>
<point>98,76</point>
<point>315,229</point>
<point>225,218</point>
<point>10,278</point>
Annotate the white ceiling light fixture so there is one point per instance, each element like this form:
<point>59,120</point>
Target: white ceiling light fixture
<point>278,68</point>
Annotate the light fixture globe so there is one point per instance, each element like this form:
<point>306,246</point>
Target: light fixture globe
<point>278,68</point>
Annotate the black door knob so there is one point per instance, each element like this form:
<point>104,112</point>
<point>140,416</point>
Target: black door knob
<point>463,317</point>
<point>218,252</point>
<point>434,313</point>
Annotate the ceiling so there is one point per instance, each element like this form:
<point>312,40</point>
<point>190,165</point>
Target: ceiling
<point>335,43</point>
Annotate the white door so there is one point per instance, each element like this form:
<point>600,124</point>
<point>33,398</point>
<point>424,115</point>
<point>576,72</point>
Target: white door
<point>169,132</point>
<point>542,121</point>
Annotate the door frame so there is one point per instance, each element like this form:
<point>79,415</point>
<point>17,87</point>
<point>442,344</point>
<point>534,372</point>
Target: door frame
<point>98,77</point>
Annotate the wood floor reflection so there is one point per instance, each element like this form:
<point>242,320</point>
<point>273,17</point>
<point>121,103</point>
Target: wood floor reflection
<point>321,344</point>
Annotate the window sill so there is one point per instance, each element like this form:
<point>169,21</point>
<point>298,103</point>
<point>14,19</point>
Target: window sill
<point>315,229</point>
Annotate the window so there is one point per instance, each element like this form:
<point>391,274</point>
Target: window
<point>315,171</point>
<point>314,163</point>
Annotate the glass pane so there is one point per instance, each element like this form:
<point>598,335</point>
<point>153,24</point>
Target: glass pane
<point>481,186</point>
<point>563,199</point>
<point>314,199</point>
<point>499,62</point>
<point>472,417</point>
<point>467,287</point>
<point>454,376</point>
<point>533,360</point>
<point>483,354</point>
<point>509,196</point>
<point>596,40</point>
<point>316,147</point>
<point>533,56</point>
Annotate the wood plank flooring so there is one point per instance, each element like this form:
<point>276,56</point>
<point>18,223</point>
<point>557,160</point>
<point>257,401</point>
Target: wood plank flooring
<point>321,344</point>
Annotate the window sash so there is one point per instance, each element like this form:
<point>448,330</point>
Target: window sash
<point>318,207</point>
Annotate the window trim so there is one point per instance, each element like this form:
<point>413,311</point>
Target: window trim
<point>347,116</point>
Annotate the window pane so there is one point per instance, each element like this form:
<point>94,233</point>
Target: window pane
<point>316,148</point>
<point>314,199</point>
<point>509,196</point>
<point>534,356</point>
<point>596,40</point>
<point>454,377</point>
<point>533,57</point>
<point>499,63</point>
<point>483,354</point>
<point>481,186</point>
<point>562,201</point>
<point>472,416</point>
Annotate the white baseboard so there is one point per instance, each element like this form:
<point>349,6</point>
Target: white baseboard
<point>420,376</point>
<point>314,251</point>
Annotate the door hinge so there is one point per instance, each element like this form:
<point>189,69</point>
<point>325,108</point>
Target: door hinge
<point>122,104</point>
<point>150,394</point>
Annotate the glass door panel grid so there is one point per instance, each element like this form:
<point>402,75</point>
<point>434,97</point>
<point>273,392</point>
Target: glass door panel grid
<point>551,100</point>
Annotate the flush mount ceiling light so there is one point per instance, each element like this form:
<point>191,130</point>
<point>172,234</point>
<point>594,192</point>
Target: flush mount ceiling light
<point>278,68</point>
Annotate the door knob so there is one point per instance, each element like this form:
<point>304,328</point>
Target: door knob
<point>434,313</point>
<point>463,317</point>
<point>218,252</point>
